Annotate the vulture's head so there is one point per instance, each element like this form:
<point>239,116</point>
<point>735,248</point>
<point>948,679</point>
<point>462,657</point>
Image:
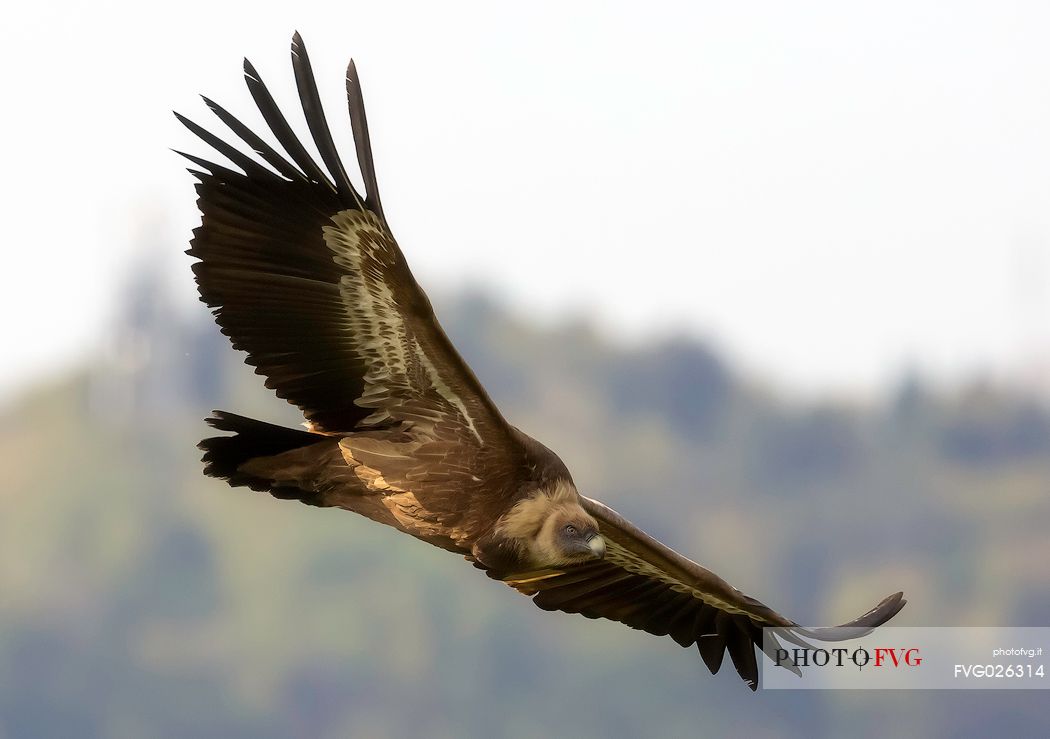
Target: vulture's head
<point>553,528</point>
<point>570,534</point>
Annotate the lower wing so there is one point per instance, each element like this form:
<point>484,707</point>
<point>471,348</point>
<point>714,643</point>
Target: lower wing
<point>648,586</point>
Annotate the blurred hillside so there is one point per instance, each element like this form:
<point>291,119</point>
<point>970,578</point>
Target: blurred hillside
<point>139,599</point>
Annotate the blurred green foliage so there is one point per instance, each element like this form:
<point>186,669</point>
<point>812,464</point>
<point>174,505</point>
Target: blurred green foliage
<point>139,599</point>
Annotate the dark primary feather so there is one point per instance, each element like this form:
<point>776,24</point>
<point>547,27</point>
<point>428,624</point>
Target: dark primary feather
<point>260,147</point>
<point>362,142</point>
<point>249,165</point>
<point>304,80</point>
<point>279,126</point>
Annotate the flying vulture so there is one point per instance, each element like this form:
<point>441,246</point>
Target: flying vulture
<point>304,275</point>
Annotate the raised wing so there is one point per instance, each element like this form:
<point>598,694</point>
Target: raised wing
<point>305,276</point>
<point>648,586</point>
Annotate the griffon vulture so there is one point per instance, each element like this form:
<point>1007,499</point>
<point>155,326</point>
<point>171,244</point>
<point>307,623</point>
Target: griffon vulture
<point>304,275</point>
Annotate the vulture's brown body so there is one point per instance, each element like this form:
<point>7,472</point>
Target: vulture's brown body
<point>304,275</point>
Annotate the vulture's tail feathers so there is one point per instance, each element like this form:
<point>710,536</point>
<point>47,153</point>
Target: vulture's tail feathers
<point>223,455</point>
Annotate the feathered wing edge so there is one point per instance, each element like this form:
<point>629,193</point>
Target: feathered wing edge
<point>333,176</point>
<point>648,586</point>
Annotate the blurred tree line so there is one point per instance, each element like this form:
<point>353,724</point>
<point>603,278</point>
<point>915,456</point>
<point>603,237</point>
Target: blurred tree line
<point>139,599</point>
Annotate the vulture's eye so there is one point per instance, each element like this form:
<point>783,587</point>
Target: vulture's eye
<point>570,530</point>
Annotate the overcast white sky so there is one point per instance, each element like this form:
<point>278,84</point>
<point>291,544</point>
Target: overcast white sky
<point>830,191</point>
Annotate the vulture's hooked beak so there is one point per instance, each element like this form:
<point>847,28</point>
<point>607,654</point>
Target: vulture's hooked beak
<point>597,546</point>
